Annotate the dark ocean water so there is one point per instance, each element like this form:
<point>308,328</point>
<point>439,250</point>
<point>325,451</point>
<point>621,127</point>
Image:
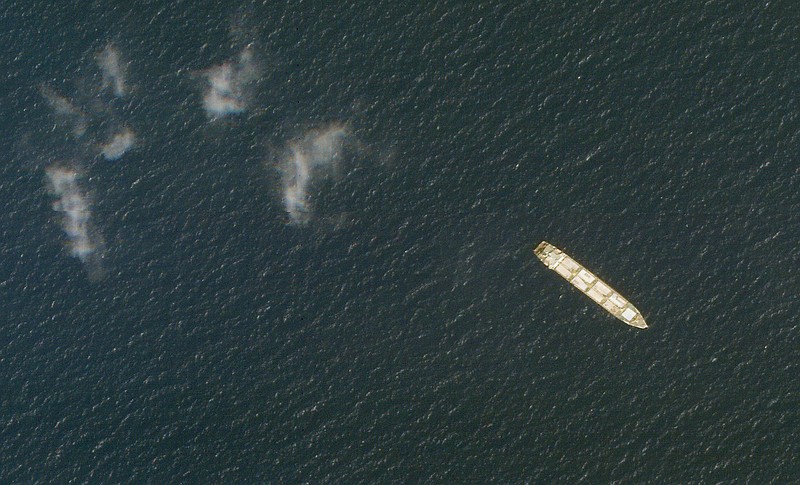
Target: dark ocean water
<point>407,333</point>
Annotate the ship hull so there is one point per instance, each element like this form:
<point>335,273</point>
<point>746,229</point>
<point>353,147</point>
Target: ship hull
<point>589,284</point>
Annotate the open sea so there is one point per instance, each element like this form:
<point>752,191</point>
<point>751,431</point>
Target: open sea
<point>402,330</point>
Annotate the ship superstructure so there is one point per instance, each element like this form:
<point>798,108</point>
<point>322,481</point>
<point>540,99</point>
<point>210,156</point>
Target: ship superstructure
<point>589,284</point>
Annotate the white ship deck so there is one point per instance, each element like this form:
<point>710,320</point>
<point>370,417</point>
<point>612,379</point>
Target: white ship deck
<point>589,284</point>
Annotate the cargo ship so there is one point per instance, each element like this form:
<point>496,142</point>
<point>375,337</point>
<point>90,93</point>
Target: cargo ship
<point>589,284</point>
